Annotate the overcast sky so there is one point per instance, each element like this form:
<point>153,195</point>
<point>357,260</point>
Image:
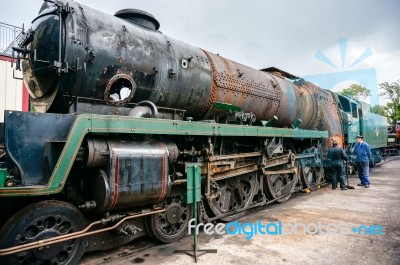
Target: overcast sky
<point>286,34</point>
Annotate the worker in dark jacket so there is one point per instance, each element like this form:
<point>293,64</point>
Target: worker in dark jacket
<point>363,153</point>
<point>336,155</point>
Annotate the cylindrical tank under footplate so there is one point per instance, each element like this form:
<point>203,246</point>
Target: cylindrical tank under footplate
<point>134,173</point>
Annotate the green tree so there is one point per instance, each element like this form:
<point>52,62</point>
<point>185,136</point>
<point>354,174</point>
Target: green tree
<point>381,110</point>
<point>356,91</point>
<point>378,109</point>
<point>392,93</point>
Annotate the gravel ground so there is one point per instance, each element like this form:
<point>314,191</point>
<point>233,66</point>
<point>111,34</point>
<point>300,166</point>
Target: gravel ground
<point>378,205</point>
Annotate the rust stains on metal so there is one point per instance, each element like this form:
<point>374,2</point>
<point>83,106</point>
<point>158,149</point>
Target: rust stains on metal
<point>235,84</point>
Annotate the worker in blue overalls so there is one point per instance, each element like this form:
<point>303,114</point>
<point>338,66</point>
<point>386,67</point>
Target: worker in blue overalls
<point>336,155</point>
<point>363,153</point>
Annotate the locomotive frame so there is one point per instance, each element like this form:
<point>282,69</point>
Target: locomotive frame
<point>214,168</point>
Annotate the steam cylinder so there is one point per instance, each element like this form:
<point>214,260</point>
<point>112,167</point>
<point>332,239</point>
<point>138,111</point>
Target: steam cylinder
<point>129,173</point>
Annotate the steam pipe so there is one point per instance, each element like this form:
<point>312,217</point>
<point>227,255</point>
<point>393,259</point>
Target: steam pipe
<point>62,238</point>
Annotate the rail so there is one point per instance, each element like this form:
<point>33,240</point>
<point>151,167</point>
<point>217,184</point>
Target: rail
<point>9,36</point>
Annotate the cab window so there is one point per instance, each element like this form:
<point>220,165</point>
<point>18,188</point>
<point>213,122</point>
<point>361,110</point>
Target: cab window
<point>354,110</point>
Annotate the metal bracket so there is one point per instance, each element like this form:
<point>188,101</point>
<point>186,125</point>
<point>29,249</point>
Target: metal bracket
<point>19,51</point>
<point>269,122</point>
<point>274,148</point>
<point>35,59</point>
<point>61,10</point>
<point>15,77</point>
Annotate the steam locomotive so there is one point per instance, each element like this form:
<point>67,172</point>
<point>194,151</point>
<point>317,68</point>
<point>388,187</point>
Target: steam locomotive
<point>393,145</point>
<point>119,111</point>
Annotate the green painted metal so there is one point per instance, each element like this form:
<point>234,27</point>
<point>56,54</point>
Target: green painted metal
<point>350,116</point>
<point>373,127</point>
<point>81,126</point>
<point>296,123</point>
<point>374,130</point>
<point>226,107</point>
<point>3,177</point>
<point>193,184</point>
<point>270,122</point>
<point>193,175</point>
<point>91,123</point>
<point>352,127</point>
<point>124,124</point>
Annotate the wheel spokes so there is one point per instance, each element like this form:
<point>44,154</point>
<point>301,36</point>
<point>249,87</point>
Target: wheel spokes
<point>233,194</point>
<point>290,182</point>
<point>278,185</point>
<point>40,221</point>
<point>171,224</point>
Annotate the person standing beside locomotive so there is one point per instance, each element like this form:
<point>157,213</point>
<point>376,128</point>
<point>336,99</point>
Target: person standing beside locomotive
<point>336,155</point>
<point>363,153</point>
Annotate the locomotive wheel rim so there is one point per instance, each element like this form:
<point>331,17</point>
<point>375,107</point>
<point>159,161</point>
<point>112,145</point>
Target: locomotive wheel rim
<point>175,215</point>
<point>310,176</point>
<point>278,185</point>
<point>235,193</point>
<point>45,221</point>
<point>172,224</point>
<point>319,171</point>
